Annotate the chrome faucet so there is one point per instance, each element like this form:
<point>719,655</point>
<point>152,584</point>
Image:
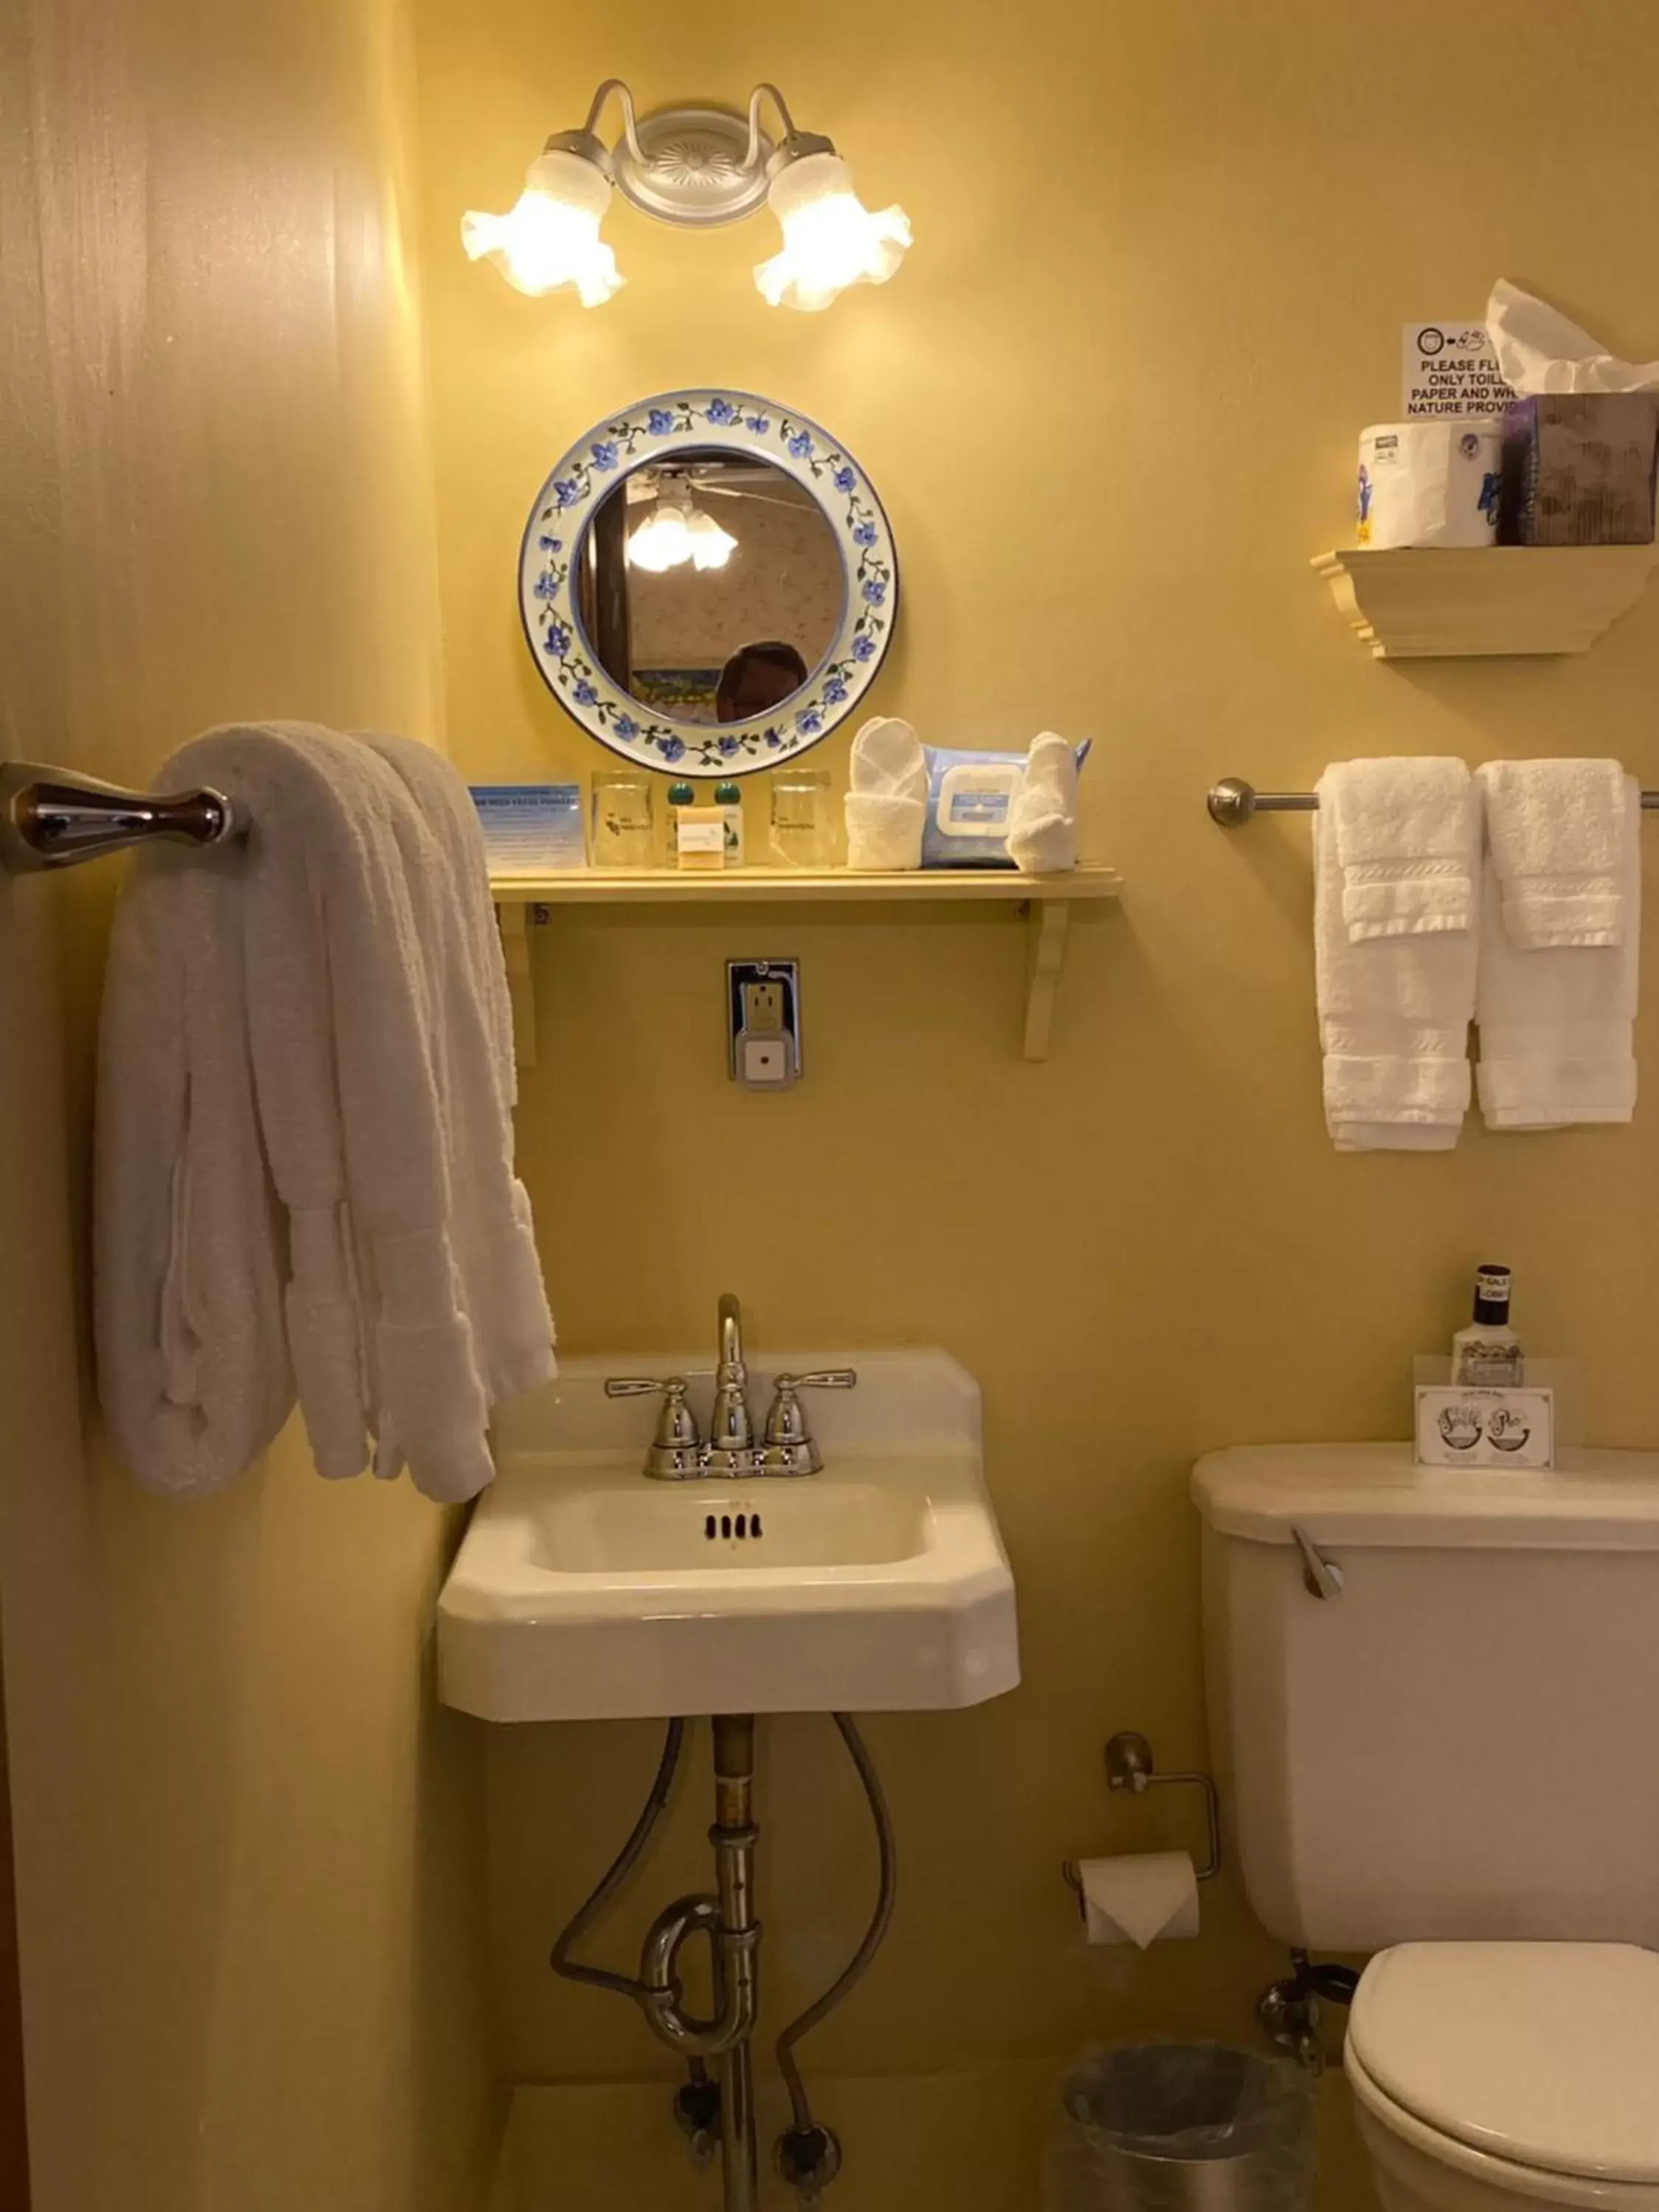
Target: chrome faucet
<point>731,1446</point>
<point>676,1452</point>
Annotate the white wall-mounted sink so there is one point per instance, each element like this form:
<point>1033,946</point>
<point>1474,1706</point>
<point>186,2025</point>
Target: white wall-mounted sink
<point>583,1591</point>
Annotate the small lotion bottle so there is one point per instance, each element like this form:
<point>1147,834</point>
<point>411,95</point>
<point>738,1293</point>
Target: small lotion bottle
<point>728,804</point>
<point>1487,1354</point>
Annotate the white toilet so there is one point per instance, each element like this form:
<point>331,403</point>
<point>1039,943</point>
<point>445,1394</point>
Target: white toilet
<point>1434,1702</point>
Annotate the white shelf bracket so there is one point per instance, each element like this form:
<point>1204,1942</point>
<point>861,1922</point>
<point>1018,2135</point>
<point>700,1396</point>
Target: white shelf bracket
<point>513,919</point>
<point>1047,921</point>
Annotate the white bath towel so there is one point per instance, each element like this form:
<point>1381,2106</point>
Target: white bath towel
<point>1394,1012</point>
<point>1557,1020</point>
<point>327,1112</point>
<point>886,805</point>
<point>1558,832</point>
<point>1404,845</point>
<point>1042,820</point>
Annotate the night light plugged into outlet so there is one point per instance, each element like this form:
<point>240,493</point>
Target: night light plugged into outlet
<point>763,1011</point>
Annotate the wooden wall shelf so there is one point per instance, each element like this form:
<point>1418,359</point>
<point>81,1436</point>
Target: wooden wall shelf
<point>1046,902</point>
<point>1418,603</point>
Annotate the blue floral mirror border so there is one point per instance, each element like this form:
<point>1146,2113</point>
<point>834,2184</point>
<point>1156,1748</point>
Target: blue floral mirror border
<point>719,421</point>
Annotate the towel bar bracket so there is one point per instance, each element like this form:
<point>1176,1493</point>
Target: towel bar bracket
<point>52,817</point>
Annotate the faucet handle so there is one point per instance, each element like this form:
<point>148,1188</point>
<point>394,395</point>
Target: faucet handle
<point>677,1424</point>
<point>787,1423</point>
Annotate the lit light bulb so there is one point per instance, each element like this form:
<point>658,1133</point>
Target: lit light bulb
<point>672,534</point>
<point>830,238</point>
<point>550,237</point>
<point>711,546</point>
<point>662,541</point>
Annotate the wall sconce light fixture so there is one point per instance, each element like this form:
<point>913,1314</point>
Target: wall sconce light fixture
<point>692,166</point>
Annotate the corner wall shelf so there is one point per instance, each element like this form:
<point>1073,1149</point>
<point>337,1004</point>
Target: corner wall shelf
<point>1422,603</point>
<point>1046,902</point>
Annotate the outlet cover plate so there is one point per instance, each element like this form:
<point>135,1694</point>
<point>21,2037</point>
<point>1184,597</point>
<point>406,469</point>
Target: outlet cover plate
<point>763,1022</point>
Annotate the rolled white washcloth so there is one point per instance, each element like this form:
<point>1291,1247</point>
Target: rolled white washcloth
<point>887,805</point>
<point>1042,820</point>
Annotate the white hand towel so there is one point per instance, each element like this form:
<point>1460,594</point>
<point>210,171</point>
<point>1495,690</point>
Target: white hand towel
<point>1394,1012</point>
<point>887,803</point>
<point>333,1120</point>
<point>1403,842</point>
<point>1042,820</point>
<point>1556,1021</point>
<point>1557,834</point>
<point>495,1236</point>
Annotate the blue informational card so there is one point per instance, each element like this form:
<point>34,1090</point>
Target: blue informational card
<point>530,827</point>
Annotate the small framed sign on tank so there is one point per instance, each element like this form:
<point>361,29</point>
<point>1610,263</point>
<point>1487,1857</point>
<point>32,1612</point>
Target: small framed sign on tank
<point>1462,1424</point>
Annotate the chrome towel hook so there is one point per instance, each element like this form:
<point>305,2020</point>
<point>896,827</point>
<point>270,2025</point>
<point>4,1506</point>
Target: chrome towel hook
<point>52,817</point>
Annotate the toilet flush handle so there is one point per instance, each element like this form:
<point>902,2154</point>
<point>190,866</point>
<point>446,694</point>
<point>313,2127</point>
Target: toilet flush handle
<point>1321,1577</point>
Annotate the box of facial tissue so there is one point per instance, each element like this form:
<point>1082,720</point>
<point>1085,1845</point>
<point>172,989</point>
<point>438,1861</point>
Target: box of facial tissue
<point>1578,469</point>
<point>530,828</point>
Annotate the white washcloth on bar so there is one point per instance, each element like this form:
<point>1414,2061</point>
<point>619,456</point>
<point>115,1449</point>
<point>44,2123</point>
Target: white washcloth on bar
<point>1557,1020</point>
<point>1405,845</point>
<point>1393,1016</point>
<point>1557,831</point>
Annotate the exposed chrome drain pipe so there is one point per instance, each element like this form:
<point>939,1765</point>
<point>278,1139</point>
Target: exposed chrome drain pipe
<point>728,1921</point>
<point>808,2154</point>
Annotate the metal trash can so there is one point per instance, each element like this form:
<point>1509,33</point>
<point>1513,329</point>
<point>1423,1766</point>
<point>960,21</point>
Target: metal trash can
<point>1183,2127</point>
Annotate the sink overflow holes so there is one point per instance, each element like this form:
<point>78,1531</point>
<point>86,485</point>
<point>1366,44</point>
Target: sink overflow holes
<point>741,1526</point>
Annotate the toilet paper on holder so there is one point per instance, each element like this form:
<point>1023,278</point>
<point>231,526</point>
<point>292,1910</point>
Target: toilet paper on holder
<point>1140,1898</point>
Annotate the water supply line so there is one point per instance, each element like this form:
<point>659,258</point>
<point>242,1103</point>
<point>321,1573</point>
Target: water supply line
<point>808,2156</point>
<point>696,2107</point>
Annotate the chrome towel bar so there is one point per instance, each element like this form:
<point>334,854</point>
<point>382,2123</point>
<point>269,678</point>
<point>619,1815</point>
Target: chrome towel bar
<point>50,818</point>
<point>1233,802</point>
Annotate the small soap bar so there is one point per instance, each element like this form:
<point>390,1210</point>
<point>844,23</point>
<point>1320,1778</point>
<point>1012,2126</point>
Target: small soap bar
<point>700,838</point>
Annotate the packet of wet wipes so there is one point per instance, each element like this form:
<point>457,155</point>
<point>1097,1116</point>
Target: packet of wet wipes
<point>970,799</point>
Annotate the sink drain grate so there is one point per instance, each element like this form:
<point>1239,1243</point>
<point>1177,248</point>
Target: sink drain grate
<point>740,1527</point>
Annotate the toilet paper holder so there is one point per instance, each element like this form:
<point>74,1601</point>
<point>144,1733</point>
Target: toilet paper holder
<point>1130,1766</point>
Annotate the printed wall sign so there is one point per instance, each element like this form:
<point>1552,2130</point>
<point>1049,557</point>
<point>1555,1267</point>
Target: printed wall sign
<point>1448,368</point>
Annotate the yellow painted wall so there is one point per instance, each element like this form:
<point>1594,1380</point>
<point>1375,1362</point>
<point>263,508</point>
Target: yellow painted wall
<point>1163,255</point>
<point>247,1843</point>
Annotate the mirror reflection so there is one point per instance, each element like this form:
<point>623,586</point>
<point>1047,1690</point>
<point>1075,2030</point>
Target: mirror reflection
<point>710,586</point>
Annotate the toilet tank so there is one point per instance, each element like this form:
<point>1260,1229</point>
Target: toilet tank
<point>1463,1742</point>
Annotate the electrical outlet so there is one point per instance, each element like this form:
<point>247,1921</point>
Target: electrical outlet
<point>763,1015</point>
<point>762,1008</point>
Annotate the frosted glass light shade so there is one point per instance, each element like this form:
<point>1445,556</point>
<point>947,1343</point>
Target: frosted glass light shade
<point>830,238</point>
<point>672,535</point>
<point>550,238</point>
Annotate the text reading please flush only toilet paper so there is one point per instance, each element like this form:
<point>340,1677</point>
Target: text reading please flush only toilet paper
<point>1450,367</point>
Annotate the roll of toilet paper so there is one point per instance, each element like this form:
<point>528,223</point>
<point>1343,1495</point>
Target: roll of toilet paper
<point>1429,482</point>
<point>1142,1898</point>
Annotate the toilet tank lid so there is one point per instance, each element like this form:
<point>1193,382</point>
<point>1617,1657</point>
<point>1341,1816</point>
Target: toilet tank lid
<point>1540,2053</point>
<point>1372,1494</point>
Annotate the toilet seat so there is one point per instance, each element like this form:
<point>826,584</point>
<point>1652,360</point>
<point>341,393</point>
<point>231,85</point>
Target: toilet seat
<point>1532,2063</point>
<point>1493,2178</point>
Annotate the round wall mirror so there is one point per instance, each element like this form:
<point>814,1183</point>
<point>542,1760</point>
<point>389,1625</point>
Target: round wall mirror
<point>708,583</point>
